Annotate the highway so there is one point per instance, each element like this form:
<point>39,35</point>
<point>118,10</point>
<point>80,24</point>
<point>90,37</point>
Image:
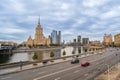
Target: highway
<point>68,71</point>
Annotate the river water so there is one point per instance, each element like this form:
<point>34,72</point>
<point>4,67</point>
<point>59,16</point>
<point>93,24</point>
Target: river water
<point>41,55</point>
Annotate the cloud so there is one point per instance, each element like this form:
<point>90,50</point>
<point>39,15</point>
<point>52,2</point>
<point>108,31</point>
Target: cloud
<point>89,18</point>
<point>94,3</point>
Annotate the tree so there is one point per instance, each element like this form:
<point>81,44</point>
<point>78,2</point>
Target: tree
<point>51,54</point>
<point>64,53</point>
<point>73,52</point>
<point>35,56</point>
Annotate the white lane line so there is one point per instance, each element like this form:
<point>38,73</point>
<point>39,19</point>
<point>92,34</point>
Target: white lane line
<point>57,78</point>
<point>34,70</point>
<point>56,72</point>
<point>76,71</point>
<point>41,72</point>
<point>86,74</point>
<point>6,77</point>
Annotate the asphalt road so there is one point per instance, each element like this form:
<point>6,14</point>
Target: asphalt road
<point>68,71</point>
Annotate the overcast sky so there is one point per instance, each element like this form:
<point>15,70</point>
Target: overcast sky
<point>88,18</point>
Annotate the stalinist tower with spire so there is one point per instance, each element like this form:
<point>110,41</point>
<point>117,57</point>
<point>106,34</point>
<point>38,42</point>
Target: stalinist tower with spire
<point>39,37</point>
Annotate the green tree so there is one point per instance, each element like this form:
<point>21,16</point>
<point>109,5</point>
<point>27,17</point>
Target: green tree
<point>35,56</point>
<point>64,53</point>
<point>73,52</point>
<point>51,54</point>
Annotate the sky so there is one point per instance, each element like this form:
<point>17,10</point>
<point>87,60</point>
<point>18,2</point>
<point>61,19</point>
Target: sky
<point>88,18</point>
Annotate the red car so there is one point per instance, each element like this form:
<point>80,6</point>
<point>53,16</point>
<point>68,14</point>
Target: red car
<point>84,64</point>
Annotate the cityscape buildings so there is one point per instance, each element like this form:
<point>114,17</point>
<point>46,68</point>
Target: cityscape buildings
<point>39,37</point>
<point>79,39</point>
<point>55,37</point>
<point>85,41</point>
<point>117,39</point>
<point>107,39</point>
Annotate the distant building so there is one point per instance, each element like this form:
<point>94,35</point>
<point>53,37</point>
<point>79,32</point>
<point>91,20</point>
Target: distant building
<point>95,43</point>
<point>55,37</point>
<point>107,39</point>
<point>74,41</point>
<point>8,43</point>
<point>39,37</point>
<point>117,39</point>
<point>85,41</point>
<point>79,39</point>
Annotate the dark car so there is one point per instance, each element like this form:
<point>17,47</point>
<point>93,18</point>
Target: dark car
<point>84,64</point>
<point>75,60</point>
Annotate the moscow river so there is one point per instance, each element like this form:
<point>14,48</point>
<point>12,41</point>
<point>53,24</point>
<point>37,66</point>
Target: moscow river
<point>42,55</point>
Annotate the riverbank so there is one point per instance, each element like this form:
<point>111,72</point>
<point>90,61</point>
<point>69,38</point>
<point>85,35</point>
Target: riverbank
<point>19,50</point>
<point>114,74</point>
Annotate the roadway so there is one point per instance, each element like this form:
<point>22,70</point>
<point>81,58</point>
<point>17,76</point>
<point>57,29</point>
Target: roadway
<point>68,71</point>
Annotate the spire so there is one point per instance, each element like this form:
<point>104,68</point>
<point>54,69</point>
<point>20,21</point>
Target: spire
<point>39,20</point>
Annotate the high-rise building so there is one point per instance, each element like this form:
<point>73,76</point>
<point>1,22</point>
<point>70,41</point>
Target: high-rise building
<point>117,39</point>
<point>107,39</point>
<point>39,37</point>
<point>74,40</point>
<point>55,37</point>
<point>85,41</point>
<point>79,39</point>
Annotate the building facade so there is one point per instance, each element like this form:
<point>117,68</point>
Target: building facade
<point>107,39</point>
<point>55,37</point>
<point>39,37</point>
<point>117,39</point>
<point>95,43</point>
<point>85,41</point>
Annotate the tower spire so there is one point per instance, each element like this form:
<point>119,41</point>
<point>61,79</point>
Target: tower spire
<point>39,20</point>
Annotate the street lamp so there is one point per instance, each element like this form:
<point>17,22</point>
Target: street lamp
<point>108,72</point>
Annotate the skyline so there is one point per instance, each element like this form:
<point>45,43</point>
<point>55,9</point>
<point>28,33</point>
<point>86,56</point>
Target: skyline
<point>88,18</point>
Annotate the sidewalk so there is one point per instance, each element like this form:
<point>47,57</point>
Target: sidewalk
<point>114,74</point>
<point>31,66</point>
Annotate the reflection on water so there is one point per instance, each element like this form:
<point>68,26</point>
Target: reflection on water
<point>41,55</point>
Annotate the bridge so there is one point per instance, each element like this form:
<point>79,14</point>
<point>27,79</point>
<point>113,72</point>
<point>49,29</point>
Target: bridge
<point>5,49</point>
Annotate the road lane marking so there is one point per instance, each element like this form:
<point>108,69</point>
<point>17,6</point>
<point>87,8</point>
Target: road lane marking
<point>56,72</point>
<point>57,78</point>
<point>6,77</point>
<point>86,74</point>
<point>76,71</point>
<point>41,72</point>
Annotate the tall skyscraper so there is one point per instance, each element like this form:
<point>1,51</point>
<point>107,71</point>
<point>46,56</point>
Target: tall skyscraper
<point>55,37</point>
<point>39,37</point>
<point>79,39</point>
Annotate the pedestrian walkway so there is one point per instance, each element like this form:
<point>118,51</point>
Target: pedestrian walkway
<point>113,74</point>
<point>37,65</point>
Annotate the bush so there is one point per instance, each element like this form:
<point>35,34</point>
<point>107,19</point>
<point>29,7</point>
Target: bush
<point>51,54</point>
<point>64,53</point>
<point>35,57</point>
<point>73,52</point>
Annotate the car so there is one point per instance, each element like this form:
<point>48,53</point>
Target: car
<point>74,60</point>
<point>85,64</point>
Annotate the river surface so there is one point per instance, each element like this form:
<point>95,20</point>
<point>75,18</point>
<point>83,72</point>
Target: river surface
<point>41,55</point>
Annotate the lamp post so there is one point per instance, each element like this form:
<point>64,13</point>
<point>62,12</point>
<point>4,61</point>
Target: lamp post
<point>108,72</point>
